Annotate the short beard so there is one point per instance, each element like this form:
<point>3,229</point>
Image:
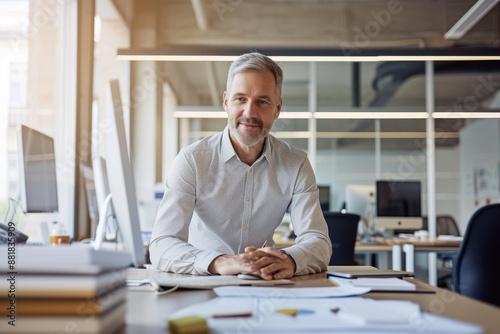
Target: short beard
<point>241,138</point>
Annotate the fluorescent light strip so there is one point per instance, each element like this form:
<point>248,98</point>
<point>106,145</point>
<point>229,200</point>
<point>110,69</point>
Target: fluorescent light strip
<point>347,115</point>
<point>466,115</point>
<point>295,115</point>
<point>156,57</point>
<point>371,115</point>
<point>200,114</point>
<point>223,114</point>
<point>139,57</point>
<point>473,15</point>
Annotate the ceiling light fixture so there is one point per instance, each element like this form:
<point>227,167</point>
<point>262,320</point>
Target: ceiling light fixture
<point>466,115</point>
<point>473,15</point>
<point>370,115</point>
<point>310,55</point>
<point>223,114</point>
<point>308,115</point>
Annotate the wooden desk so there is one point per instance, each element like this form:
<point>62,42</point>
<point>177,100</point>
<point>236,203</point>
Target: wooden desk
<point>147,312</point>
<point>382,252</point>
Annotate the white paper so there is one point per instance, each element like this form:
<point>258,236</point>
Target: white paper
<point>354,315</point>
<point>272,292</point>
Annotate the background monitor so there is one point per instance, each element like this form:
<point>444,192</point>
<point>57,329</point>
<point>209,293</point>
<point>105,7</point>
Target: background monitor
<point>37,171</point>
<point>121,179</point>
<point>90,195</point>
<point>324,197</point>
<point>360,199</point>
<point>399,205</point>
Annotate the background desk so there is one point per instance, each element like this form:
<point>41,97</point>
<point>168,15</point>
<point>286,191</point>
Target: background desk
<point>382,254</point>
<point>394,249</point>
<point>147,312</point>
<point>431,247</point>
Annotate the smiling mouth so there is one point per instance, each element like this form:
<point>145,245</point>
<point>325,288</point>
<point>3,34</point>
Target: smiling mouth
<point>250,123</point>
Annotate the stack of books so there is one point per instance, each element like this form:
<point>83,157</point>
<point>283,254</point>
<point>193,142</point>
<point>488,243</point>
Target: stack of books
<point>62,289</point>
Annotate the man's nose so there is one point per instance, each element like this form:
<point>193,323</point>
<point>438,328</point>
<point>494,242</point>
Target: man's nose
<point>249,110</point>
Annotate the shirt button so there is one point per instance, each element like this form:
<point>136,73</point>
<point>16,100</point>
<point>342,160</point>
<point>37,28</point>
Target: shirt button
<point>247,199</point>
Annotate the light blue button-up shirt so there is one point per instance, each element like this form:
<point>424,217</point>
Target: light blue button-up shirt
<point>215,204</point>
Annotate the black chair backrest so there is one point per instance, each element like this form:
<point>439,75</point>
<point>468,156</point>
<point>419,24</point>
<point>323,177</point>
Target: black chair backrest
<point>343,230</point>
<point>476,269</point>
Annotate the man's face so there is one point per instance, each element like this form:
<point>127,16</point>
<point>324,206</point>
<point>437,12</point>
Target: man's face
<point>251,106</point>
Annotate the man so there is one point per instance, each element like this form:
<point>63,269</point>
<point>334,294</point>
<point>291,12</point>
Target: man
<point>226,194</point>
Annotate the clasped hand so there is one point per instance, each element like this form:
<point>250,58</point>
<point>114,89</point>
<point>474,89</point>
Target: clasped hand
<point>268,262</point>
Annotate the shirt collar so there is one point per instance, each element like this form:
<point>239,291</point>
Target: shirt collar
<point>228,150</point>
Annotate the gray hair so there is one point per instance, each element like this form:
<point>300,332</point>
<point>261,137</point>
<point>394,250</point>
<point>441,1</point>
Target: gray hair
<point>255,61</point>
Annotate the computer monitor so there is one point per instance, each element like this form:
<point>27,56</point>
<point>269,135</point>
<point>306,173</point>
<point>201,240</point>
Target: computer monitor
<point>90,195</point>
<point>399,205</point>
<point>37,171</point>
<point>324,197</point>
<point>121,179</point>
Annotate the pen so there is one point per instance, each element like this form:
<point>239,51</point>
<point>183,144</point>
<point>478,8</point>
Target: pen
<point>233,315</point>
<point>264,244</point>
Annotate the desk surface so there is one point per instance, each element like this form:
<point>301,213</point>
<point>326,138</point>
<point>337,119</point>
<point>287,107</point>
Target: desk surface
<point>386,244</point>
<point>147,312</point>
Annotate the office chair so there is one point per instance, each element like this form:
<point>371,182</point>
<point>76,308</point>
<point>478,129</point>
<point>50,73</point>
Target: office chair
<point>476,269</point>
<point>343,230</point>
<point>446,225</point>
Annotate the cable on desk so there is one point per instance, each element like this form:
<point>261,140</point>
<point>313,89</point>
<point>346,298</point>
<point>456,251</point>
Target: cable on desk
<point>161,290</point>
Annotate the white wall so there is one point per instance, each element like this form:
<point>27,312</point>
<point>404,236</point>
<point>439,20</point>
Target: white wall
<point>479,153</point>
<point>340,168</point>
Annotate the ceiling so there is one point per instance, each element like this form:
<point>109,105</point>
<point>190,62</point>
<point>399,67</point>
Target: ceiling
<point>350,26</point>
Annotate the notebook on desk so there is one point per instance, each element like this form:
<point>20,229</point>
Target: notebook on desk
<point>63,259</point>
<point>365,271</point>
<point>168,280</point>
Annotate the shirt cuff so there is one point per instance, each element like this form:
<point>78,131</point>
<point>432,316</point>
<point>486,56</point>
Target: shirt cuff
<point>206,261</point>
<point>293,260</point>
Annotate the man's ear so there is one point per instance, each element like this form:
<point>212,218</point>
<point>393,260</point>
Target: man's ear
<point>278,109</point>
<point>224,100</point>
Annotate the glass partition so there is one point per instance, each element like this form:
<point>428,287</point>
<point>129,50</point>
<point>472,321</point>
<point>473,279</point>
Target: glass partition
<point>382,133</point>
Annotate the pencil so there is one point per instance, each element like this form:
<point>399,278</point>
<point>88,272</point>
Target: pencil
<point>233,315</point>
